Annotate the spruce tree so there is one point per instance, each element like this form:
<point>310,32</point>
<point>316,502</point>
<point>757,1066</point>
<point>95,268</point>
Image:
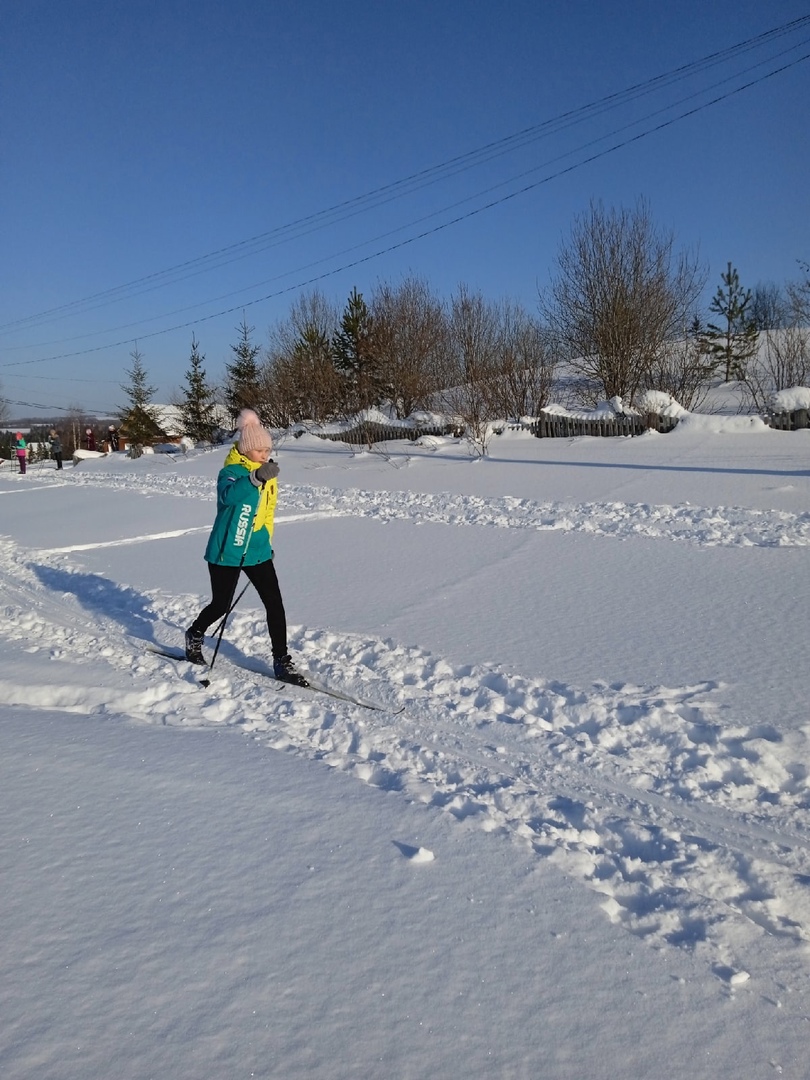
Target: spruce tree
<point>140,426</point>
<point>242,378</point>
<point>732,341</point>
<point>354,355</point>
<point>198,409</point>
<point>319,386</point>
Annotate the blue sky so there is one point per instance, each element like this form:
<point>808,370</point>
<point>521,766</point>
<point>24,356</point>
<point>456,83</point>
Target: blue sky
<point>143,136</point>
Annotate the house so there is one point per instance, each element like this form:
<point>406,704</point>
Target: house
<point>159,425</point>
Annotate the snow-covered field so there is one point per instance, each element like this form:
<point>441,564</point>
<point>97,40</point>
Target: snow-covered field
<point>592,659</point>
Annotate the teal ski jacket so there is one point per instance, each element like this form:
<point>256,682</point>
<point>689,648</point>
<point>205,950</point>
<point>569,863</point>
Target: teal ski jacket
<point>243,528</point>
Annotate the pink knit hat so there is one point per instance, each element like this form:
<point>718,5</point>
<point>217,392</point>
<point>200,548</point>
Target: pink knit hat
<point>252,436</point>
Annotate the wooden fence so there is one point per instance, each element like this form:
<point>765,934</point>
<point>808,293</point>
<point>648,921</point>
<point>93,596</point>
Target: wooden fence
<point>547,426</point>
<point>367,434</point>
<point>788,421</point>
<point>553,426</point>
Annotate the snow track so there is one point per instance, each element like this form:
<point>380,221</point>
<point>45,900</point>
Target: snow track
<point>694,830</point>
<point>720,526</point>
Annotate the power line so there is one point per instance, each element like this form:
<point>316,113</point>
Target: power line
<point>427,217</point>
<point>50,378</point>
<point>405,186</point>
<point>427,232</point>
<point>55,408</point>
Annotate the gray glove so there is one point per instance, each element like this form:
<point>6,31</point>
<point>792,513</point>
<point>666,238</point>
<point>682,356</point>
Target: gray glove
<point>268,471</point>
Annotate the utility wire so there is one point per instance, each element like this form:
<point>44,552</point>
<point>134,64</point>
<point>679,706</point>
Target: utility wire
<point>398,189</point>
<point>420,220</point>
<point>55,408</point>
<point>428,232</point>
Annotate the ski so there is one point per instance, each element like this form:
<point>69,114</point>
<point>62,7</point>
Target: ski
<point>353,699</point>
<point>165,650</point>
<point>318,687</point>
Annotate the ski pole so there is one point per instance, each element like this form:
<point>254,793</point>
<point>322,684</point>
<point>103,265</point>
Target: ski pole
<point>221,628</point>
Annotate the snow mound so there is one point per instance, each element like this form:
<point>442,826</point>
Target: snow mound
<point>660,403</point>
<point>718,425</point>
<point>791,399</point>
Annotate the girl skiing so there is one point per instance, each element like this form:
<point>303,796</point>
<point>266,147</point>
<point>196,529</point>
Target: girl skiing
<point>241,539</point>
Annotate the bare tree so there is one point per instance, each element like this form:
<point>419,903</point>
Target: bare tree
<point>683,368</point>
<point>410,338</point>
<point>799,296</point>
<point>620,292</point>
<point>768,308</point>
<point>473,357</point>
<point>75,424</point>
<point>783,358</point>
<point>525,366</point>
<point>311,309</point>
<point>298,380</point>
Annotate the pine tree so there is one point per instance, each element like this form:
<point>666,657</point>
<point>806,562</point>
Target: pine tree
<point>733,341</point>
<point>354,354</point>
<point>242,381</point>
<point>198,408</point>
<point>140,426</point>
<point>318,384</point>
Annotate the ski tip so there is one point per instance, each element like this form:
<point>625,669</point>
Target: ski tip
<point>205,682</point>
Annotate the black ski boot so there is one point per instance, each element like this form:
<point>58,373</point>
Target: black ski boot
<point>194,642</point>
<point>284,671</point>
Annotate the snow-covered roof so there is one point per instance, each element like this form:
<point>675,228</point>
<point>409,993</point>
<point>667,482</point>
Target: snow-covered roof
<point>169,418</point>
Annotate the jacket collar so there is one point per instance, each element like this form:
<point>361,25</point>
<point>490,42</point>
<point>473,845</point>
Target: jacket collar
<point>236,458</point>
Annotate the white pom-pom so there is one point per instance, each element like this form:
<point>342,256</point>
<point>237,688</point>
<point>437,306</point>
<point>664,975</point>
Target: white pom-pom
<point>245,418</point>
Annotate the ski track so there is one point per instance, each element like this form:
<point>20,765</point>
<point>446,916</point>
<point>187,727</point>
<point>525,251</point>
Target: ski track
<point>719,526</point>
<point>694,830</point>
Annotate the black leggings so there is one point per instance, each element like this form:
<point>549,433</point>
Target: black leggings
<point>223,588</point>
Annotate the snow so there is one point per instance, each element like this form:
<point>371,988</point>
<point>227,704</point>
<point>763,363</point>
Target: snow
<point>87,455</point>
<point>574,843</point>
<point>604,410</point>
<point>791,399</point>
<point>720,425</point>
<point>657,401</point>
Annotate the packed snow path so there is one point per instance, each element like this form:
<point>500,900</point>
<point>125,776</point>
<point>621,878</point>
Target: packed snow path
<point>693,831</point>
<point>724,526</point>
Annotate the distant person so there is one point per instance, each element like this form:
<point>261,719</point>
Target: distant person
<point>56,448</point>
<point>247,491</point>
<point>89,440</point>
<point>112,438</point>
<point>21,449</point>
